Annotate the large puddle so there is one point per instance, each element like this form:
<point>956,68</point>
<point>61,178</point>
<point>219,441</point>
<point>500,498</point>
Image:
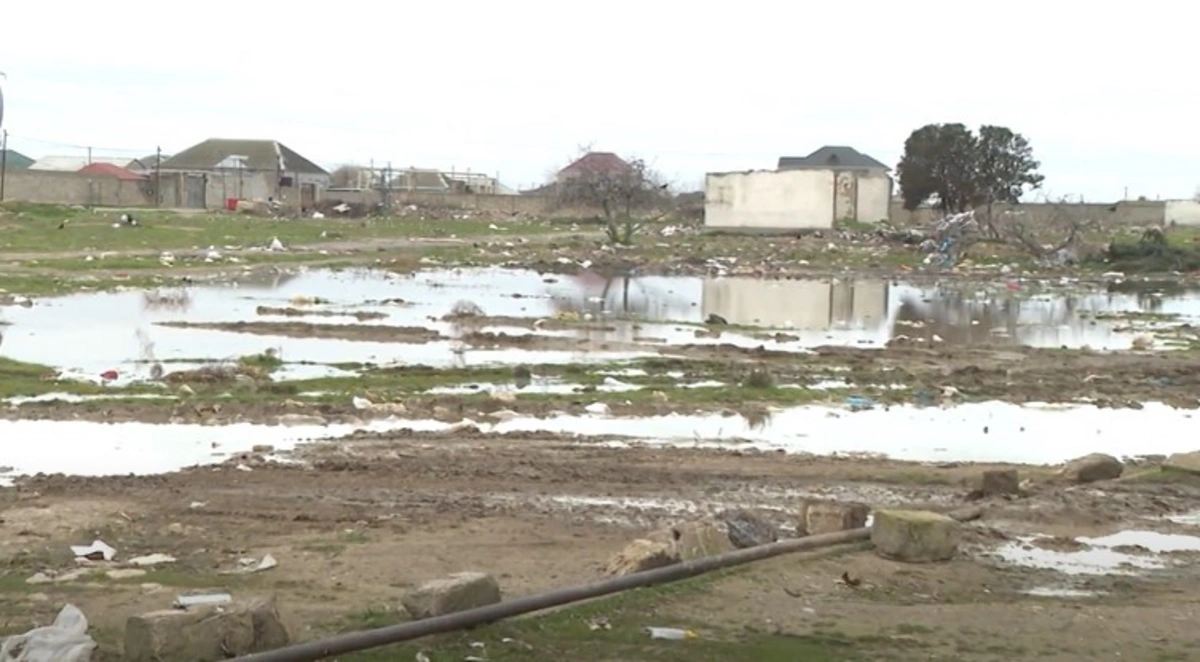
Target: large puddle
<point>94,332</point>
<point>987,432</point>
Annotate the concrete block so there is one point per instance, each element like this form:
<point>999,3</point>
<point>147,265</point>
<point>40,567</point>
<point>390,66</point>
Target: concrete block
<point>1092,468</point>
<point>458,592</point>
<point>695,540</point>
<point>747,529</point>
<point>999,482</point>
<point>1189,462</point>
<point>205,634</point>
<point>642,555</point>
<point>832,516</point>
<point>914,536</point>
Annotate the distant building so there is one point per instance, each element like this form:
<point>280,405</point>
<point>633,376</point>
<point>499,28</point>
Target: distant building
<point>110,170</point>
<point>14,160</point>
<point>600,163</point>
<point>74,163</point>
<point>217,170</point>
<point>833,184</point>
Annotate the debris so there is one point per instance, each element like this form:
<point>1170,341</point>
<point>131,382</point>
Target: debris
<point>464,590</point>
<point>1189,462</point>
<point>109,375</point>
<point>201,600</point>
<point>671,633</point>
<point>276,245</point>
<point>715,319</point>
<point>249,565</point>
<point>598,408</point>
<point>696,539</point>
<point>124,573</point>
<point>641,555</point>
<point>599,623</point>
<point>97,551</point>
<point>1092,468</point>
<point>859,403</point>
<point>852,582</point>
<point>819,517</point>
<point>64,640</point>
<point>914,536</point>
<point>210,632</point>
<point>746,529</point>
<point>150,560</point>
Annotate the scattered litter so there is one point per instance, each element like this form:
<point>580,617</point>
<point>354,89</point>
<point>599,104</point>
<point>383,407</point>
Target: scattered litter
<point>124,573</point>
<point>318,215</point>
<point>671,633</point>
<point>65,640</point>
<point>276,245</point>
<point>185,601</point>
<point>598,408</point>
<point>97,551</point>
<point>249,565</point>
<point>599,623</point>
<point>151,560</point>
<point>859,403</point>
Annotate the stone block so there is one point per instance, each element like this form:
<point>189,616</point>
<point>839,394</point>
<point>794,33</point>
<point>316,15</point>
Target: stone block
<point>747,529</point>
<point>1189,462</point>
<point>458,592</point>
<point>205,634</point>
<point>1092,468</point>
<point>914,536</point>
<point>1000,482</point>
<point>695,540</point>
<point>832,516</point>
<point>642,555</point>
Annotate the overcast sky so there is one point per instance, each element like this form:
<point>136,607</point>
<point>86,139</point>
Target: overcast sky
<point>1104,92</point>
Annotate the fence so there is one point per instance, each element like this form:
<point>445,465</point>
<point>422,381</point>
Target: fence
<point>72,188</point>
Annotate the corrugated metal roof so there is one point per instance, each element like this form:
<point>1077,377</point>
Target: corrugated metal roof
<point>265,155</point>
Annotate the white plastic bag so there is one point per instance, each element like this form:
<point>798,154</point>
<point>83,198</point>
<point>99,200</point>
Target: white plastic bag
<point>65,640</point>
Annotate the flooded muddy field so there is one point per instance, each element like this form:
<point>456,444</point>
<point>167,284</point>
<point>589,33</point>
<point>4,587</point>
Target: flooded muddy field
<point>532,424</point>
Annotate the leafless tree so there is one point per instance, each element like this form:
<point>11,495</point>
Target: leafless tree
<point>628,197</point>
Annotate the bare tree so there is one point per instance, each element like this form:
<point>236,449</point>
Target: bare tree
<point>626,191</point>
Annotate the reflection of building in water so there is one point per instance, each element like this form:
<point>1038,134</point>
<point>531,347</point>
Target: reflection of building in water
<point>797,304</point>
<point>647,298</point>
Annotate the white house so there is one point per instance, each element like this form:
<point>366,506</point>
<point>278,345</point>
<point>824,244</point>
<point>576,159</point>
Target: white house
<point>805,193</point>
<point>803,305</point>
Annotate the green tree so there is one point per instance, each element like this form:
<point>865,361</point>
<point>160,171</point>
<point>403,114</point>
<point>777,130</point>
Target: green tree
<point>957,170</point>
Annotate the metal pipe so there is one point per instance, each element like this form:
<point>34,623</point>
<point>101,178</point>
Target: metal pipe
<point>358,641</point>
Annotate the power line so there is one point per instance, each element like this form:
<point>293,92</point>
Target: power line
<point>94,148</point>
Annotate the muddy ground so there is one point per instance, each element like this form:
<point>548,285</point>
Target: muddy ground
<point>354,524</point>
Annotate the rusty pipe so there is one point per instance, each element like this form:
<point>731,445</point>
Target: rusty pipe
<point>358,641</point>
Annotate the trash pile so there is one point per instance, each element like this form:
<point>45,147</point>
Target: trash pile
<point>64,640</point>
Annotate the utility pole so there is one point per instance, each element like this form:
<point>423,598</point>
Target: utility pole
<point>89,156</point>
<point>3,160</point>
<point>158,176</point>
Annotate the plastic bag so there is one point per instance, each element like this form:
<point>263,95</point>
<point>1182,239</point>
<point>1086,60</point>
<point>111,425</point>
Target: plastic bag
<point>65,640</point>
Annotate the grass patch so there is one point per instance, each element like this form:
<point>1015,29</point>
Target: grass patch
<point>571,634</point>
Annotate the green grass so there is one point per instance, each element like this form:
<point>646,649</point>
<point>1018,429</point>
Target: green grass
<point>35,229</point>
<point>568,634</point>
<point>28,379</point>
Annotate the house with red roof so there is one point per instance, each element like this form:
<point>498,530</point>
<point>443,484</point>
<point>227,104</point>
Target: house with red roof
<point>596,163</point>
<point>99,169</point>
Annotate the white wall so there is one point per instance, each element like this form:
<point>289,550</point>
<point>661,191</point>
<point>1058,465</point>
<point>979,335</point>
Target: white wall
<point>874,197</point>
<point>797,304</point>
<point>1182,212</point>
<point>769,200</point>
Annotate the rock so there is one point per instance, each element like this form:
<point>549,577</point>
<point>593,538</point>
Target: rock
<point>747,529</point>
<point>262,448</point>
<point>205,633</point>
<point>125,573</point>
<point>998,482</point>
<point>464,590</point>
<point>818,517</point>
<point>914,536</point>
<point>641,555</point>
<point>39,578</point>
<point>506,397</point>
<point>300,419</point>
<point>695,540</point>
<point>1092,468</point>
<point>1189,462</point>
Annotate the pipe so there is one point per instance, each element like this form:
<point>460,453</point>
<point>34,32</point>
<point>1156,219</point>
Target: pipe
<point>358,641</point>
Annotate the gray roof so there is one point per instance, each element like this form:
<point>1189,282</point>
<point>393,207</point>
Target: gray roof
<point>16,160</point>
<point>266,155</point>
<point>831,156</point>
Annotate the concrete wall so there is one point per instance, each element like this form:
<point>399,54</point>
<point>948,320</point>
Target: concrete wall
<point>874,197</point>
<point>796,304</point>
<point>1131,212</point>
<point>515,204</point>
<point>71,188</point>
<point>768,200</point>
<point>1182,212</point>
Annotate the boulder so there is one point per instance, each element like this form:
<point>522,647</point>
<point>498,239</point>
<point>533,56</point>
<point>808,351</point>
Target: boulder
<point>695,540</point>
<point>747,529</point>
<point>1000,482</point>
<point>1092,468</point>
<point>1189,462</point>
<point>914,536</point>
<point>201,634</point>
<point>818,517</point>
<point>642,555</point>
<point>458,592</point>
